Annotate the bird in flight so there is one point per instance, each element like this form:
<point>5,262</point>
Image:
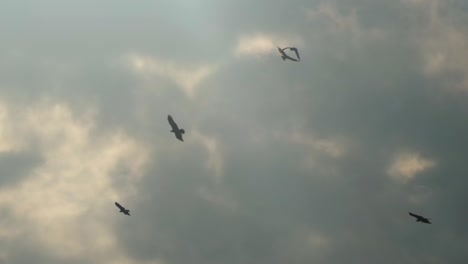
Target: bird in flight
<point>420,218</point>
<point>122,209</point>
<point>178,132</point>
<point>284,56</point>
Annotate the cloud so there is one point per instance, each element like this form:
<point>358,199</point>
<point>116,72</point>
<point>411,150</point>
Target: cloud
<point>444,42</point>
<point>332,147</point>
<point>406,166</point>
<point>282,162</point>
<point>305,243</point>
<point>72,182</point>
<point>17,164</point>
<point>264,44</point>
<point>187,78</point>
<point>212,146</point>
<point>256,45</point>
<point>218,198</point>
<point>344,24</point>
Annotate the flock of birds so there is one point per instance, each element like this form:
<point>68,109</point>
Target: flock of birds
<point>178,132</point>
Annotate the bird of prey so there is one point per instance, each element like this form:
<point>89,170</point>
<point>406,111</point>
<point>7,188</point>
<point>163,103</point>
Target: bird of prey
<point>178,132</point>
<point>420,218</point>
<point>284,56</point>
<point>122,209</point>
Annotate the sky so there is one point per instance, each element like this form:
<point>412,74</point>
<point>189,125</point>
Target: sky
<point>317,161</point>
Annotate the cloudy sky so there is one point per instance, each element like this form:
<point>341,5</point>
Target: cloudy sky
<point>312,162</point>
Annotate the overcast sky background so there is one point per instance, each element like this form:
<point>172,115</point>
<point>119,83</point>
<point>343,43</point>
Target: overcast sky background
<point>312,162</point>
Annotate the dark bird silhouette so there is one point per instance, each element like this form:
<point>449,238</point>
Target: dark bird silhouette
<point>420,218</point>
<point>284,56</point>
<point>296,51</point>
<point>122,209</point>
<point>178,132</point>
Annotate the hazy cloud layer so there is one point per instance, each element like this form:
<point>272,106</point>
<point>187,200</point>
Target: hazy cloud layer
<point>312,162</point>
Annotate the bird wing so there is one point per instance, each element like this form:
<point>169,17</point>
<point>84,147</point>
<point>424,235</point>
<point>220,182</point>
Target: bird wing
<point>172,123</point>
<point>287,56</point>
<point>119,206</point>
<point>296,51</point>
<point>414,215</point>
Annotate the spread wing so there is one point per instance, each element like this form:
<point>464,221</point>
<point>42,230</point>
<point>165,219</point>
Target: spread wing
<point>415,215</point>
<point>172,123</point>
<point>285,56</point>
<point>297,52</point>
<point>119,206</point>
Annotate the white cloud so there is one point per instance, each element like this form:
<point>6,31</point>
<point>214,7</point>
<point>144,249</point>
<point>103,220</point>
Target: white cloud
<point>214,192</point>
<point>309,243</point>
<point>257,45</point>
<point>9,139</point>
<point>335,148</point>
<point>264,44</point>
<point>340,22</point>
<point>188,78</point>
<point>73,183</point>
<point>344,25</point>
<point>215,155</point>
<point>406,166</point>
<point>317,150</point>
<point>443,41</point>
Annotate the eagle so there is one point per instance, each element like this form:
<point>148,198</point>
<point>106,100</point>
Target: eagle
<point>420,218</point>
<point>122,209</point>
<point>284,56</point>
<point>178,132</point>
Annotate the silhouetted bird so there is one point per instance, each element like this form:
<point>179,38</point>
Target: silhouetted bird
<point>284,56</point>
<point>178,132</point>
<point>420,218</point>
<point>295,50</point>
<point>122,209</point>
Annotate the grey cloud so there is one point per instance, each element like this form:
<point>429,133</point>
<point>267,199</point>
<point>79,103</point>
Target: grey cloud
<point>16,166</point>
<point>373,92</point>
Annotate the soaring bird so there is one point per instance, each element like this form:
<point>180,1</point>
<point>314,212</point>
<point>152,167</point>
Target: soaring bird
<point>122,209</point>
<point>284,56</point>
<point>178,132</point>
<point>420,218</point>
